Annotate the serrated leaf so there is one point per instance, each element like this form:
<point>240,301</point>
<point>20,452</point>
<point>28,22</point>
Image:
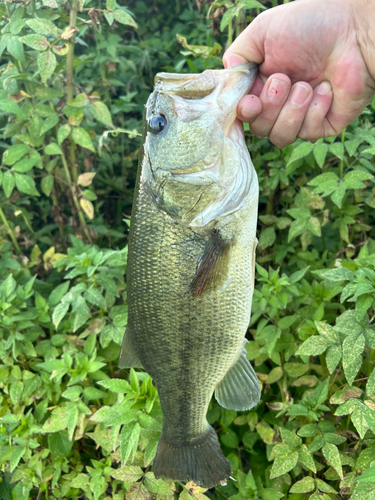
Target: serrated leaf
<point>16,456</point>
<point>128,473</point>
<point>46,64</point>
<point>81,137</point>
<point>116,385</point>
<point>82,313</point>
<point>129,441</point>
<point>157,486</point>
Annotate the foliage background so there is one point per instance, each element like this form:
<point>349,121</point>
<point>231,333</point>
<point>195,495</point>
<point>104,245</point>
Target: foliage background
<point>74,77</point>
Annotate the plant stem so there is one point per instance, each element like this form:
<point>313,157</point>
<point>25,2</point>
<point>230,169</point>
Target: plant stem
<point>230,35</point>
<point>10,232</point>
<point>342,159</point>
<point>75,200</point>
<point>69,87</point>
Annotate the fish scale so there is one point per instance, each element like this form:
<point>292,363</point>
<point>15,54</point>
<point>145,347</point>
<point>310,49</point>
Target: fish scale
<point>190,281</point>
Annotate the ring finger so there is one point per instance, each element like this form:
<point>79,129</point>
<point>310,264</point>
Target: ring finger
<point>291,116</point>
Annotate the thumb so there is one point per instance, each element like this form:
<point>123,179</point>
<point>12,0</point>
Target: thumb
<point>249,45</point>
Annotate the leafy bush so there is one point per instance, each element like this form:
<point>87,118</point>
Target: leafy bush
<point>72,425</point>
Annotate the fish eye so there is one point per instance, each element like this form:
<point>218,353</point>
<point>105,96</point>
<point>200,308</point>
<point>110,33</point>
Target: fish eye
<point>157,123</point>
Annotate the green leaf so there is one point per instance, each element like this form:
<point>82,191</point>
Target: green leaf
<point>48,124</point>
<point>331,454</point>
<point>368,476</point>
<point>17,454</point>
<point>72,393</point>
<point>15,392</point>
<point>333,357</point>
<point>252,4</point>
<point>23,166</point>
<point>128,473</point>
<point>290,438</point>
<point>309,430</point>
<point>15,48</point>
<point>129,441</point>
<point>93,393</point>
<point>57,293</point>
<point>298,227</point>
<point>15,153</point>
<point>227,17</point>
<point>46,64</point>
<point>116,385</point>
<point>337,149</point>
<point>124,18</point>
<point>63,133</point>
<point>82,313</point>
<point>338,195</point>
<point>101,113</point>
<point>47,184</point>
<point>313,346</point>
<point>10,107</point>
<point>81,137</point>
<point>26,184</point>
<point>36,42</point>
<point>52,149</point>
<point>59,313</point>
<point>157,486</point>
<point>43,27</point>
<point>306,485</point>
<point>57,421</point>
<point>352,349</point>
<point>59,444</point>
<point>301,151</point>
<point>111,4</point>
<point>320,152</point>
<point>284,462</point>
<point>9,182</point>
<point>370,386</point>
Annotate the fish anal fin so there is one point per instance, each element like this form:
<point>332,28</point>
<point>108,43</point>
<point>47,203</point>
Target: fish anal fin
<point>212,269</point>
<point>128,356</point>
<point>239,390</point>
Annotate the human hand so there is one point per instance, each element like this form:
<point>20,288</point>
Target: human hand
<point>317,68</point>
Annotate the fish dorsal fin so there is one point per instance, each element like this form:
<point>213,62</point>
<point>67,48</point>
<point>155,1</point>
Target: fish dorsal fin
<point>239,390</point>
<point>212,268</point>
<point>128,356</point>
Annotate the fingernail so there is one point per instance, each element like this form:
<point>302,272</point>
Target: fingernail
<point>324,88</point>
<point>299,94</point>
<point>277,90</point>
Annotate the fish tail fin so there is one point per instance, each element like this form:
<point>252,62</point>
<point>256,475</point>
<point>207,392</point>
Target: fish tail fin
<point>200,460</point>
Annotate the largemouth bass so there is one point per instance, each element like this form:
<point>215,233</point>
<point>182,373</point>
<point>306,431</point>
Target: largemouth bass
<point>191,264</point>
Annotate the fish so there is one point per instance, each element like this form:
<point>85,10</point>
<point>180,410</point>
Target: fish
<point>191,264</point>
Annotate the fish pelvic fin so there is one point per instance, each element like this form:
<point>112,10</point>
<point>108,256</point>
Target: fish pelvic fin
<point>128,356</point>
<point>239,390</point>
<point>200,460</point>
<point>212,269</point>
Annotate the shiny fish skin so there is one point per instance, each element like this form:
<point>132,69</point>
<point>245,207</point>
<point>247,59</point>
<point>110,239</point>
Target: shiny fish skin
<point>191,265</point>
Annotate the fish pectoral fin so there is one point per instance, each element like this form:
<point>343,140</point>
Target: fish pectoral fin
<point>212,269</point>
<point>239,390</point>
<point>128,356</point>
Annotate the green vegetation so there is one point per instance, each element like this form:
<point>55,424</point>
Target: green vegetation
<point>73,81</point>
